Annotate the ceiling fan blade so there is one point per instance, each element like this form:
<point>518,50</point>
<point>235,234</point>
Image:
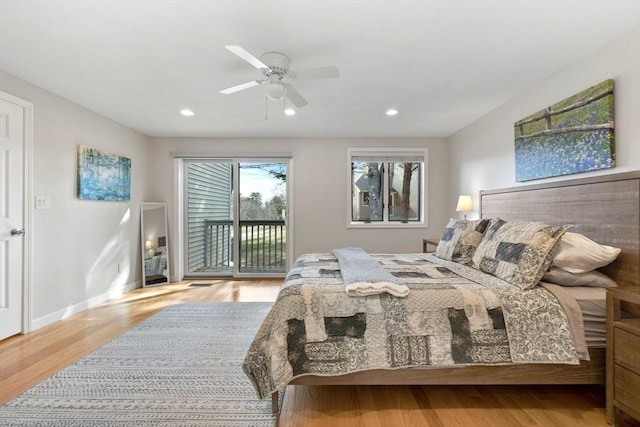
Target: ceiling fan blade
<point>329,72</point>
<point>295,97</point>
<point>248,57</point>
<point>243,86</point>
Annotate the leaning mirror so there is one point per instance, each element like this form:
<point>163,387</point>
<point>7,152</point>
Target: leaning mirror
<point>155,245</point>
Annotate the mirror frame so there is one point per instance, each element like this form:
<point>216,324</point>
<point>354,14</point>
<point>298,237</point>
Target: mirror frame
<point>155,237</point>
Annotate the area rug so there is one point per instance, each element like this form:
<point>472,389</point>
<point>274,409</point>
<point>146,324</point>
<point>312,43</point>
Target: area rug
<point>180,367</point>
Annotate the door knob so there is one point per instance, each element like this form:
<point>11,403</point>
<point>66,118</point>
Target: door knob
<point>17,232</point>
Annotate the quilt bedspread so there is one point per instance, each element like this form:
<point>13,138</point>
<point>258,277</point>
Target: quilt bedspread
<point>453,316</point>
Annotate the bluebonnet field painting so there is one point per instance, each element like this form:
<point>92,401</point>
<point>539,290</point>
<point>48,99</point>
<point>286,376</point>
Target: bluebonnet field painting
<point>572,136</point>
<point>103,176</point>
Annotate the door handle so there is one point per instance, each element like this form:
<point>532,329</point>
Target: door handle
<point>17,232</point>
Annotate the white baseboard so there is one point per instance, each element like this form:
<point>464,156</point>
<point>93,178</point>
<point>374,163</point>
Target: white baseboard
<point>81,306</point>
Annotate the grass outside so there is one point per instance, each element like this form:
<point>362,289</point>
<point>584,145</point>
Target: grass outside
<point>263,248</point>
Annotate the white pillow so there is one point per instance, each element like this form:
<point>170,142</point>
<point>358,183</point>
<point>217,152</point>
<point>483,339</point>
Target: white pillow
<point>579,254</point>
<point>591,278</point>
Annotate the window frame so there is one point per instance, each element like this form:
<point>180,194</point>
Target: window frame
<point>384,153</point>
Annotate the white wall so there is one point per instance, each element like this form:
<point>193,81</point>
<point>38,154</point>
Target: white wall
<point>320,179</point>
<point>481,155</point>
<point>78,244</point>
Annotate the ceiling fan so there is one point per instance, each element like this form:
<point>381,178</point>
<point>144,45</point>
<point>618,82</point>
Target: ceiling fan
<point>277,75</point>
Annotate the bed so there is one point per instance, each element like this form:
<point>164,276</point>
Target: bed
<point>584,203</point>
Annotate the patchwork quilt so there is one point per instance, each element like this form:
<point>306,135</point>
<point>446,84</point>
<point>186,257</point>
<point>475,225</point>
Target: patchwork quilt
<point>453,315</point>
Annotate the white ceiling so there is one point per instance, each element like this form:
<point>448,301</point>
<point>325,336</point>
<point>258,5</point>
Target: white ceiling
<point>442,64</point>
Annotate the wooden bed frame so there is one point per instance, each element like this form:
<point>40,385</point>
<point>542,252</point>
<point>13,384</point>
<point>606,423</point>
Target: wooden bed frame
<point>603,208</point>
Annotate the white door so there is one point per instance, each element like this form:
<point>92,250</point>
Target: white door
<point>12,149</point>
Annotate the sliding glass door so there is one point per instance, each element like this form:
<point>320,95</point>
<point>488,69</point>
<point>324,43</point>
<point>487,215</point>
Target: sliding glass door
<point>235,212</point>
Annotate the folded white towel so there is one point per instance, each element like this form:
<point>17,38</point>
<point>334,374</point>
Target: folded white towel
<point>362,289</point>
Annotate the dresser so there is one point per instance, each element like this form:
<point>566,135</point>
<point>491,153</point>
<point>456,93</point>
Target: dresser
<point>623,354</point>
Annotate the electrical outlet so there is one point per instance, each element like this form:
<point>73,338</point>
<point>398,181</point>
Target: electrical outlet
<point>120,268</point>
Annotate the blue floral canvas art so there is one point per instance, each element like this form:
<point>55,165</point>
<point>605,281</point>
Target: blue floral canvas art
<point>103,176</point>
<point>572,136</point>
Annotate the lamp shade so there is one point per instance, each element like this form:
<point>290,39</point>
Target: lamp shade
<point>148,245</point>
<point>465,204</point>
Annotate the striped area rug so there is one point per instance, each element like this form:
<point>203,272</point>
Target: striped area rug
<point>180,367</point>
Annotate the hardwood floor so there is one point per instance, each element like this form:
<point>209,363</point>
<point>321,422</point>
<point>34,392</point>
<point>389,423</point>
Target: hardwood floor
<point>25,360</point>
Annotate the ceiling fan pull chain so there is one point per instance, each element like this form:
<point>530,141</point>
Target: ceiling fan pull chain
<point>266,108</point>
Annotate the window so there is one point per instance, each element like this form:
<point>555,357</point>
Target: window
<point>387,187</point>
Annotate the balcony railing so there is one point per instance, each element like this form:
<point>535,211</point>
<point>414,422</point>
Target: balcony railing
<point>262,245</point>
<point>218,244</point>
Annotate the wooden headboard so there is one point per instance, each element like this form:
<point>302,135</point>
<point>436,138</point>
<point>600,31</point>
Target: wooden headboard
<point>604,208</point>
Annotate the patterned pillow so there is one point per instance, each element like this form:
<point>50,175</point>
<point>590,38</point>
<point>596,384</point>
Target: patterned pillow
<point>518,252</point>
<point>460,240</point>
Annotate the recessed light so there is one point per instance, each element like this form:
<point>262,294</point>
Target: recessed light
<point>186,112</point>
<point>290,111</point>
<point>392,112</point>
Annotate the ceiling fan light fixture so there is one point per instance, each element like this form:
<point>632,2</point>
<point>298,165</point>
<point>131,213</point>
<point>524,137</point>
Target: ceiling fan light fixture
<point>275,90</point>
<point>289,112</point>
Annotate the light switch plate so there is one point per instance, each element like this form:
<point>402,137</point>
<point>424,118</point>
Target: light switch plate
<point>43,202</point>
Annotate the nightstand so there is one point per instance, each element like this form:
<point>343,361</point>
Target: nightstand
<point>429,242</point>
<point>623,355</point>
